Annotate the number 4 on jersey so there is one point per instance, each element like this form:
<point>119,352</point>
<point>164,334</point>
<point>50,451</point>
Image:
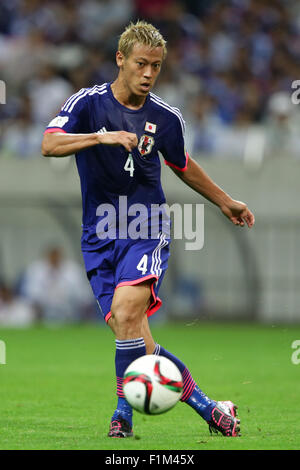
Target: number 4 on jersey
<point>129,166</point>
<point>142,266</point>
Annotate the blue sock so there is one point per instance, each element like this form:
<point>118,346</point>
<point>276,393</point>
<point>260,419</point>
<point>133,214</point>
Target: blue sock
<point>192,395</point>
<point>123,409</point>
<point>201,403</point>
<point>126,351</point>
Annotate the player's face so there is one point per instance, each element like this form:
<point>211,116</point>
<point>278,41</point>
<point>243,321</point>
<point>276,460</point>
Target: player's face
<point>141,68</point>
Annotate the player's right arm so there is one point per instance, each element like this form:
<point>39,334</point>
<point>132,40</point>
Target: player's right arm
<point>63,144</point>
<point>69,132</point>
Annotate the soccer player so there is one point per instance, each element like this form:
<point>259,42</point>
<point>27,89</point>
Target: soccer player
<point>116,131</point>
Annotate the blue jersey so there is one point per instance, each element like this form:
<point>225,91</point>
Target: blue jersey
<point>108,172</point>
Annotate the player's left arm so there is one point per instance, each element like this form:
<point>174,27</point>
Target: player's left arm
<point>196,178</point>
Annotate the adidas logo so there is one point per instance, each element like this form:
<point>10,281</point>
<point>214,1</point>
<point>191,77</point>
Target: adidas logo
<point>102,130</point>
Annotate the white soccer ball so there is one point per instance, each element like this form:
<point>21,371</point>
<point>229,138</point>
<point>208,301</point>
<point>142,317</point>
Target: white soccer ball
<point>152,384</point>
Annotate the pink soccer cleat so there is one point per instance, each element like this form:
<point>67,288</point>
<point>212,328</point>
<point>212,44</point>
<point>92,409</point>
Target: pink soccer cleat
<point>224,420</point>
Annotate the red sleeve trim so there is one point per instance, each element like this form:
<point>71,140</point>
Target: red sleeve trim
<point>54,129</point>
<point>177,167</point>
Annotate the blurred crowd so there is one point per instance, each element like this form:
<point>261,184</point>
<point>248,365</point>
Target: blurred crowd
<point>51,290</point>
<point>230,68</point>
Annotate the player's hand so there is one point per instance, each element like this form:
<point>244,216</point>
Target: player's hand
<point>238,213</point>
<point>127,139</point>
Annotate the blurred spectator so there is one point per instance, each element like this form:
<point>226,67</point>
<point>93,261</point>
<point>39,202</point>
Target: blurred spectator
<point>21,58</point>
<point>22,138</point>
<point>204,125</point>
<point>101,19</point>
<point>154,10</point>
<point>282,127</point>
<point>47,91</point>
<point>14,311</point>
<point>57,287</point>
<point>232,139</point>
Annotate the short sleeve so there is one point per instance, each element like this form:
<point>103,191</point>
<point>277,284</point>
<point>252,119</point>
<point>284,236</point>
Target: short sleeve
<point>173,150</point>
<point>72,117</point>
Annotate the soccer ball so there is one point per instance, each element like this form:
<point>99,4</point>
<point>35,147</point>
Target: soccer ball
<point>152,384</point>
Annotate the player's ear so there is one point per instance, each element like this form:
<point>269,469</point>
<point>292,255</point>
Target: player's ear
<point>119,59</point>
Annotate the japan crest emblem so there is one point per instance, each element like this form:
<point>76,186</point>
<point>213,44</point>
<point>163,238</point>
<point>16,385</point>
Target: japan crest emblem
<point>145,144</point>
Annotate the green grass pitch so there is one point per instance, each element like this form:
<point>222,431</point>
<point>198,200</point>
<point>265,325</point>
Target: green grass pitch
<point>57,389</point>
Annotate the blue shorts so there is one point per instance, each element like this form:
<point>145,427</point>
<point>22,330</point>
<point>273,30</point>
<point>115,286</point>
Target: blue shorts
<point>127,263</point>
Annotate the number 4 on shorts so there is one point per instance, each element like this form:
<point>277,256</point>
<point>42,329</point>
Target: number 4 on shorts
<point>142,266</point>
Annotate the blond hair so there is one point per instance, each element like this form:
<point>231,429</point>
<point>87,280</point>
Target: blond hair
<point>142,33</point>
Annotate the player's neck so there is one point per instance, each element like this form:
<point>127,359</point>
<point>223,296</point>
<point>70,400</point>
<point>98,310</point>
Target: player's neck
<point>122,94</point>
